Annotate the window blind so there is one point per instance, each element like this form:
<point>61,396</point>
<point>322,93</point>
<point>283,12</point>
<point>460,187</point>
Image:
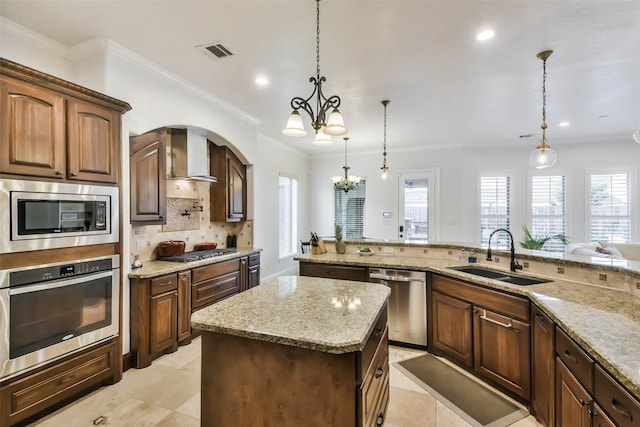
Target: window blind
<point>495,210</point>
<point>548,209</point>
<point>287,216</point>
<point>349,211</point>
<point>610,213</point>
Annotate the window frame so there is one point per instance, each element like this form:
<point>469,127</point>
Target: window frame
<point>510,216</point>
<point>631,172</point>
<point>567,213</point>
<point>293,216</point>
<point>362,186</point>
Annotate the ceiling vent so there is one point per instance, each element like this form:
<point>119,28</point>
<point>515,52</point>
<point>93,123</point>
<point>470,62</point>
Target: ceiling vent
<point>216,51</point>
<point>527,135</point>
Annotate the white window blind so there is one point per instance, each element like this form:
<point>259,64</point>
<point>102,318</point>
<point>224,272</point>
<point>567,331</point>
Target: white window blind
<point>548,209</point>
<point>349,211</point>
<point>610,219</point>
<point>288,216</point>
<point>495,210</point>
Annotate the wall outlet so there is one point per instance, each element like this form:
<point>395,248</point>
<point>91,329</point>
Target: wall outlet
<point>560,270</point>
<point>602,277</point>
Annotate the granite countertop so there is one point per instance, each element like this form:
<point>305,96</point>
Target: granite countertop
<point>604,321</point>
<point>301,312</point>
<point>158,268</point>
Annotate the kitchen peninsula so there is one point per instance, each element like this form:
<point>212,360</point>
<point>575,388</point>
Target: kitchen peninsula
<point>296,351</point>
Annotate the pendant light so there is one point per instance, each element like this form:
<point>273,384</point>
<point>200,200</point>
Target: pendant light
<point>543,156</point>
<point>332,125</point>
<point>385,174</point>
<point>346,182</point>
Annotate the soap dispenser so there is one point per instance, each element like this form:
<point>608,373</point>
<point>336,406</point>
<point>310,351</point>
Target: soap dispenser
<point>463,256</point>
<point>472,257</point>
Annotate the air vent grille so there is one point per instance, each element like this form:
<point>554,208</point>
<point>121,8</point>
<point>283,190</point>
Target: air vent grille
<point>527,135</point>
<point>219,50</point>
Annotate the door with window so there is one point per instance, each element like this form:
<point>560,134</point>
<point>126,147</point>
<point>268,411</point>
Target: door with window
<point>417,212</point>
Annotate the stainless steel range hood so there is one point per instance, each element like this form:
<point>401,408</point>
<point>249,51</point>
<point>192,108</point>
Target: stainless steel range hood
<point>190,155</point>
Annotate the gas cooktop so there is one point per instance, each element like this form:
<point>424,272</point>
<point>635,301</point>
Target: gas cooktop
<point>197,255</point>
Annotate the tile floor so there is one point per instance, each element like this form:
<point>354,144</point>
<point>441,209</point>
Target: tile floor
<point>168,394</point>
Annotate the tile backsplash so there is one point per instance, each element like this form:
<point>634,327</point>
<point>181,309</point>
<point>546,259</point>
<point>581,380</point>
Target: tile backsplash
<point>181,195</point>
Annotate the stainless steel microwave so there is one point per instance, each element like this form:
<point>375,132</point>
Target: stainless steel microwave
<point>47,215</point>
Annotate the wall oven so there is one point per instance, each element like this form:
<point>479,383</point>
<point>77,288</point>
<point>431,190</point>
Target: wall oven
<point>48,311</point>
<point>46,215</point>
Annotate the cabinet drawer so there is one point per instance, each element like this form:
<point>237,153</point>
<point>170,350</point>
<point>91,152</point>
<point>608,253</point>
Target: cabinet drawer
<point>578,362</point>
<point>509,305</point>
<point>208,292</point>
<point>616,401</point>
<point>367,353</point>
<point>162,284</point>
<point>375,383</point>
<point>209,271</point>
<point>254,260</point>
<point>332,271</point>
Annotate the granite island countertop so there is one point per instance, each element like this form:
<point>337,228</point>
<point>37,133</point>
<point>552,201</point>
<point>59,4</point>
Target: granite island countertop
<point>332,316</point>
<point>604,321</point>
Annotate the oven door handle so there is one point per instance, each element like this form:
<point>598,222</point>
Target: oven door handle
<point>25,289</point>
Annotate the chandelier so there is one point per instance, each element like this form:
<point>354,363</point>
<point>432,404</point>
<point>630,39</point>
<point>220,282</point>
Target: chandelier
<point>323,126</point>
<point>346,182</point>
<point>385,175</point>
<point>543,156</point>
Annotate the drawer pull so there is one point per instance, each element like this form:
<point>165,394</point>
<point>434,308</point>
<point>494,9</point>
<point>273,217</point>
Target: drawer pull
<point>165,284</point>
<point>379,372</point>
<point>582,402</point>
<point>66,380</point>
<point>621,409</point>
<point>506,325</point>
<point>378,332</point>
<point>570,356</point>
<point>380,420</point>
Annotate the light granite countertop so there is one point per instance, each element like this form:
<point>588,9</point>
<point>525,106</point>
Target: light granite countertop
<point>604,321</point>
<point>332,316</point>
<point>158,268</point>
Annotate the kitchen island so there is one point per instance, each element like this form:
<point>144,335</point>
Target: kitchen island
<point>296,351</point>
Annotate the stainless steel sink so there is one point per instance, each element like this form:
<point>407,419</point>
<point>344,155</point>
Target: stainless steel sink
<point>499,275</point>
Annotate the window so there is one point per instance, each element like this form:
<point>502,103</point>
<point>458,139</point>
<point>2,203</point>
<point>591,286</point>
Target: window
<point>288,216</point>
<point>495,210</point>
<point>350,211</point>
<point>610,210</point>
<point>548,209</point>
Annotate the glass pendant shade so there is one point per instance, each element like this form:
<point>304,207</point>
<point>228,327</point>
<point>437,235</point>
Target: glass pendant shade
<point>335,124</point>
<point>636,134</point>
<point>322,138</point>
<point>385,174</point>
<point>542,157</point>
<point>294,127</point>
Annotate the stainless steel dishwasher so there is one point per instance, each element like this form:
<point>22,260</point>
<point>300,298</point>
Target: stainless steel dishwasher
<point>407,308</point>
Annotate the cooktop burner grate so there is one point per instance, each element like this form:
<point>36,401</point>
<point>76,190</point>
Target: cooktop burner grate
<point>197,255</point>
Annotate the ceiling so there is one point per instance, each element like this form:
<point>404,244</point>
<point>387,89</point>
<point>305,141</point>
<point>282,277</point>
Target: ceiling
<point>445,88</point>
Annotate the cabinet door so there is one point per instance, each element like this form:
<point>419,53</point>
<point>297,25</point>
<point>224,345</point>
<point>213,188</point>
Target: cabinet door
<point>32,132</point>
<point>237,188</point>
<point>600,418</point>
<point>93,137</point>
<point>163,322</point>
<point>502,351</point>
<point>184,306</point>
<point>573,403</point>
<point>254,276</point>
<point>215,289</point>
<point>148,181</point>
<point>229,194</point>
<point>542,369</point>
<point>452,328</point>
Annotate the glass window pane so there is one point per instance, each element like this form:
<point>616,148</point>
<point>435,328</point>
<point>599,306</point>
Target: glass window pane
<point>350,210</point>
<point>416,209</point>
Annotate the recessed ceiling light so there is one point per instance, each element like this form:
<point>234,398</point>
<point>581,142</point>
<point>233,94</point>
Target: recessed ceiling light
<point>485,35</point>
<point>564,124</point>
<point>262,81</point>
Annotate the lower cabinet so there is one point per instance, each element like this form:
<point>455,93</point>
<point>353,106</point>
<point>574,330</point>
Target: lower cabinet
<point>184,307</point>
<point>335,271</point>
<point>253,275</point>
<point>215,282</point>
<point>542,366</point>
<point>452,334</point>
<point>34,394</point>
<point>573,402</point>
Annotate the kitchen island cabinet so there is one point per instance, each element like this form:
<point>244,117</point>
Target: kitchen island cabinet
<point>290,352</point>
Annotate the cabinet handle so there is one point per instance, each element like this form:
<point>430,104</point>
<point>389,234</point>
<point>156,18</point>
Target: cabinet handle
<point>59,173</point>
<point>506,325</point>
<point>582,402</point>
<point>378,332</point>
<point>160,217</point>
<point>74,174</point>
<point>165,284</point>
<point>570,356</point>
<point>621,409</point>
<point>379,372</point>
<point>592,413</point>
<point>380,420</point>
<point>62,381</point>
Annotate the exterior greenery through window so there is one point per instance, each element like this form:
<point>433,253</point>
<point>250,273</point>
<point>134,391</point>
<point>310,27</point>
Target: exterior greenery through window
<point>495,210</point>
<point>288,216</point>
<point>349,211</point>
<point>610,213</point>
<point>548,210</point>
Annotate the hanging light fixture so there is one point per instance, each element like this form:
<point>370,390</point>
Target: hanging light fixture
<point>543,156</point>
<point>385,175</point>
<point>346,182</point>
<point>332,125</point>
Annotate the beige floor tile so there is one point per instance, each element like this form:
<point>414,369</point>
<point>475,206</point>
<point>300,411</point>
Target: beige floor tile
<point>137,413</point>
<point>137,380</point>
<point>172,391</point>
<point>445,417</point>
<point>183,356</point>
<point>179,420</point>
<point>195,366</point>
<point>398,354</point>
<point>530,421</point>
<point>191,407</point>
<point>410,409</point>
<point>399,380</point>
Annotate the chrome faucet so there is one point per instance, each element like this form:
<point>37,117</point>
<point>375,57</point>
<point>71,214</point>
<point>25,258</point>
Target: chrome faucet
<point>514,264</point>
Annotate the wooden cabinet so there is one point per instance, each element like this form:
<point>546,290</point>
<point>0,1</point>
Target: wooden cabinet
<point>623,409</point>
<point>253,275</point>
<point>229,194</point>
<point>494,339</point>
<point>542,367</point>
<point>214,282</point>
<point>573,402</point>
<point>148,178</point>
<point>334,271</point>
<point>31,395</point>
<point>54,129</point>
<point>600,418</point>
<point>184,307</point>
<point>163,318</point>
<point>452,328</point>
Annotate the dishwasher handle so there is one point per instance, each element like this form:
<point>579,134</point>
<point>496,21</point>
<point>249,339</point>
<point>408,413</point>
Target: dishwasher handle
<point>396,278</point>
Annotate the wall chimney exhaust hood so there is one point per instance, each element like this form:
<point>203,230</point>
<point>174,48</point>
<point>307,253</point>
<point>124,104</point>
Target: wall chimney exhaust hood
<point>190,155</point>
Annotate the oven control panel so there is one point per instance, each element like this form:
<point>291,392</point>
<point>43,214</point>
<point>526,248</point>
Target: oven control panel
<point>30,275</point>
